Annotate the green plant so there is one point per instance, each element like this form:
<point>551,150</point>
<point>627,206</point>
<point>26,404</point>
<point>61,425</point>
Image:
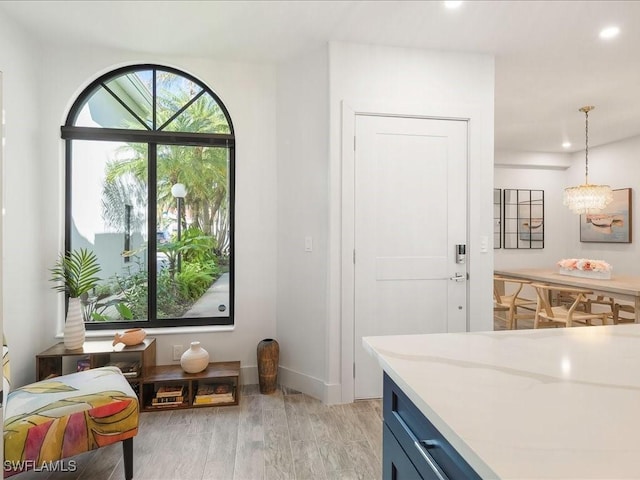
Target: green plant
<point>194,246</point>
<point>97,308</point>
<point>198,247</point>
<point>76,272</point>
<point>193,281</point>
<point>133,288</point>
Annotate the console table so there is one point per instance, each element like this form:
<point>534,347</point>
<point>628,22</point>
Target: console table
<point>147,377</point>
<point>57,360</point>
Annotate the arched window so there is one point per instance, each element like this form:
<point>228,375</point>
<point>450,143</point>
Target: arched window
<point>150,190</point>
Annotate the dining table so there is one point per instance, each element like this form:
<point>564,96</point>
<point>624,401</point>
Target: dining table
<point>620,287</point>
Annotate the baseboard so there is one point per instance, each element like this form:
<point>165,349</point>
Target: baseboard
<point>314,387</point>
<point>333,393</point>
<point>302,382</point>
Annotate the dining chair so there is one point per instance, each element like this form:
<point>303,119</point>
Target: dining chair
<point>623,308</point>
<point>601,300</point>
<point>588,303</point>
<point>548,314</point>
<point>506,298</point>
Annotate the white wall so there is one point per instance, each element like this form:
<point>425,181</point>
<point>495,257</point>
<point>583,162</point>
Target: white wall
<point>310,92</point>
<point>35,217</point>
<point>288,129</point>
<point>25,290</point>
<point>1,191</point>
<point>536,171</point>
<point>615,164</point>
<point>308,327</point>
<point>303,131</point>
<point>417,82</point>
<point>5,380</point>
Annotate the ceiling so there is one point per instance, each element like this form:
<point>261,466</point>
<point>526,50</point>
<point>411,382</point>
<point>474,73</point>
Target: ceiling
<point>549,58</point>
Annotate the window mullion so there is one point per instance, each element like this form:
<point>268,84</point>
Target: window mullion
<point>182,109</point>
<point>154,97</point>
<point>152,271</point>
<point>68,194</point>
<point>126,107</point>
<point>142,136</point>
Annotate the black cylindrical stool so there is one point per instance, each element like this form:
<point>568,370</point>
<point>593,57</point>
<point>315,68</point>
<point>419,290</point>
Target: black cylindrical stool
<point>268,355</point>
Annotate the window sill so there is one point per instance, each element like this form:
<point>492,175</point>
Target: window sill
<point>154,332</point>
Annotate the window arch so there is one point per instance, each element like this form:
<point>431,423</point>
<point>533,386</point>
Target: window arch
<point>150,163</point>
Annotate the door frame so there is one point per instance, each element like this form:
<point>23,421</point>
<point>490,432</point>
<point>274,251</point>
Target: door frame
<point>350,111</point>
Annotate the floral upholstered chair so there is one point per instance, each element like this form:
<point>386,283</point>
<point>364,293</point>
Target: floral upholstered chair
<point>60,417</point>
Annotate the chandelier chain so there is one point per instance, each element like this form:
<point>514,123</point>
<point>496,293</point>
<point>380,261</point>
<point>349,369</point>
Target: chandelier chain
<point>586,147</point>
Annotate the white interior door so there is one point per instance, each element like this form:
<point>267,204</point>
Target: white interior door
<point>410,212</point>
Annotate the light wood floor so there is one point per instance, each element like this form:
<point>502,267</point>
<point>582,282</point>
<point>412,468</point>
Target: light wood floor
<point>285,435</point>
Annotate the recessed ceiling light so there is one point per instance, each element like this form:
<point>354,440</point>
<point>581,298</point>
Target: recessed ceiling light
<point>609,32</point>
<point>566,144</point>
<point>452,4</point>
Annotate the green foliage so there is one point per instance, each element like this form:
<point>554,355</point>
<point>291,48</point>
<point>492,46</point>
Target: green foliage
<point>97,308</point>
<point>194,247</point>
<point>197,247</point>
<point>124,311</point>
<point>76,272</point>
<point>195,279</point>
<point>169,302</point>
<point>176,291</point>
<point>133,289</point>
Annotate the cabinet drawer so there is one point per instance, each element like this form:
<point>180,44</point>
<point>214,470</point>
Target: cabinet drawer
<point>395,463</point>
<point>431,454</point>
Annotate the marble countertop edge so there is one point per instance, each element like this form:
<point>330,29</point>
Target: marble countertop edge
<point>467,453</point>
<point>552,394</point>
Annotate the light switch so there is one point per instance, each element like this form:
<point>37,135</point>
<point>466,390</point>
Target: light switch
<point>484,244</point>
<point>308,244</point>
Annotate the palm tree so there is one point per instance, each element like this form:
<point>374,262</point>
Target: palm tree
<point>119,193</point>
<point>203,169</point>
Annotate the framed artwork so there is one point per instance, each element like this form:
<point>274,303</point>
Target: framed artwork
<point>612,224</point>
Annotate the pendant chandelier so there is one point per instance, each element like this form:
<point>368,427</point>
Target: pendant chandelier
<point>587,198</point>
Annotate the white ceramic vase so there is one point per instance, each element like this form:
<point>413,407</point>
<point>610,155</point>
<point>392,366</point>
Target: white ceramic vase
<point>74,326</point>
<point>195,359</point>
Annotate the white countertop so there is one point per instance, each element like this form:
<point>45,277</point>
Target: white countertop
<point>560,403</point>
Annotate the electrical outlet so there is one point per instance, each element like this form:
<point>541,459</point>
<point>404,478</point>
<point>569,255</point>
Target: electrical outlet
<point>177,352</point>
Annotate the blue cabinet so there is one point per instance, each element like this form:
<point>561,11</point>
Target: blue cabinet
<point>412,447</point>
<point>396,465</point>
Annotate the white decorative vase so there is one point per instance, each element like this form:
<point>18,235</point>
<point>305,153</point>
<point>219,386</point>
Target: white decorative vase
<point>195,359</point>
<point>74,326</point>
